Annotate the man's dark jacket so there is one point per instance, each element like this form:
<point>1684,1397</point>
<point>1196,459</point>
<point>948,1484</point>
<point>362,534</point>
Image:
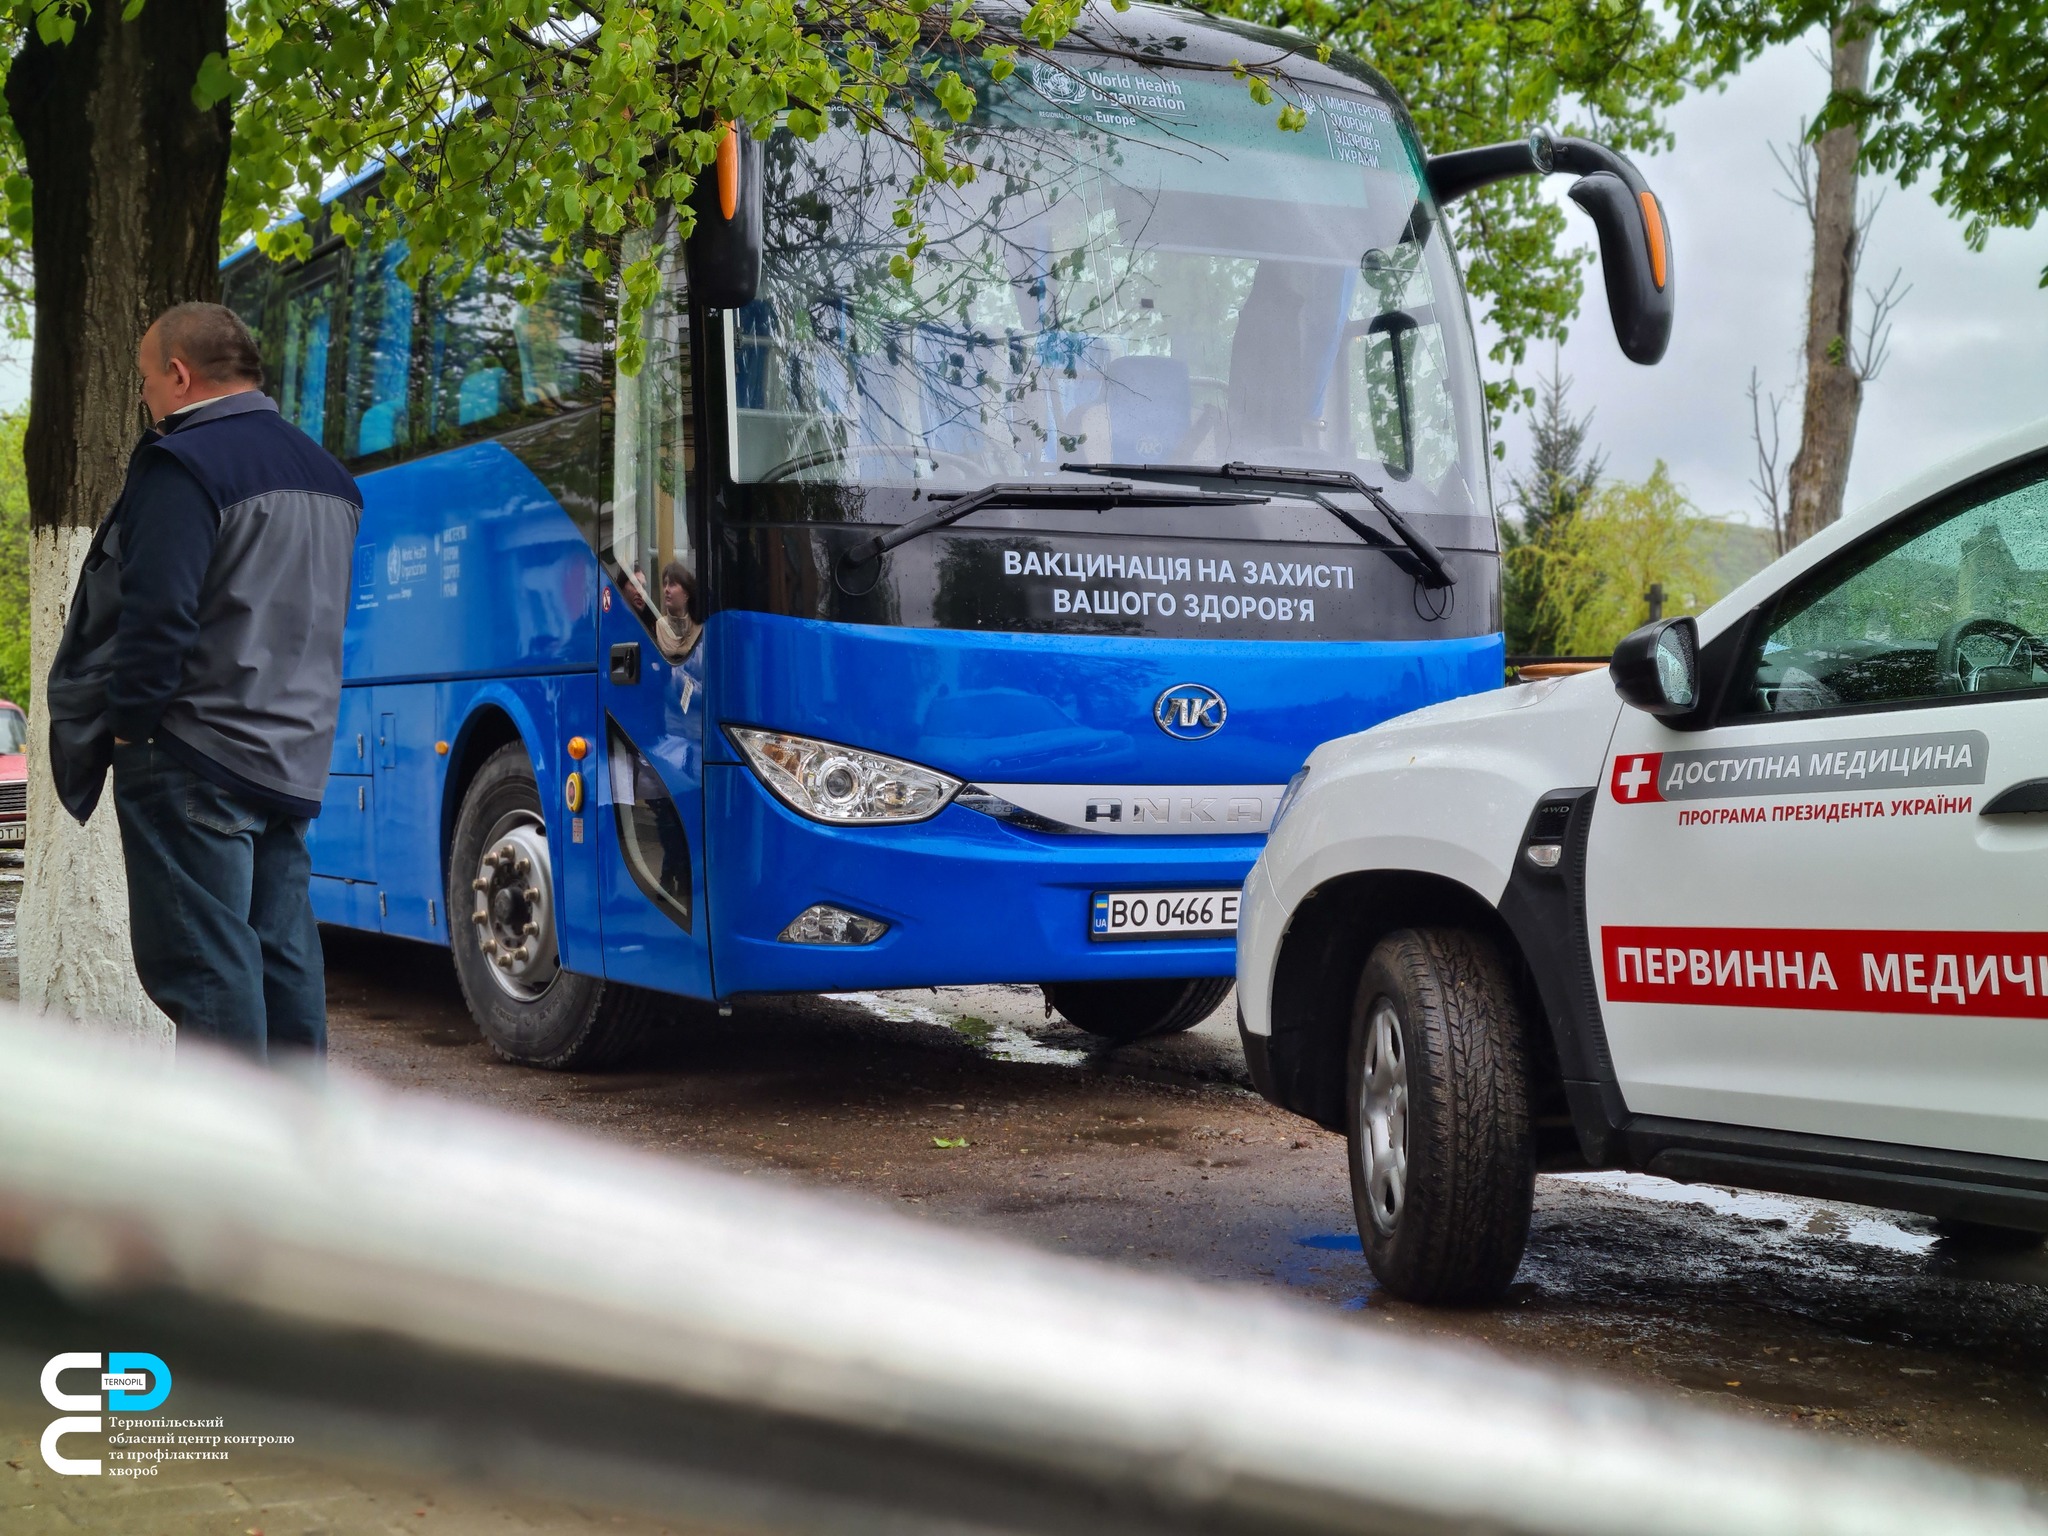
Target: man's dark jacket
<point>209,615</point>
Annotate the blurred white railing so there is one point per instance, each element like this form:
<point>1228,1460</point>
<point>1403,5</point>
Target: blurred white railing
<point>508,1299</point>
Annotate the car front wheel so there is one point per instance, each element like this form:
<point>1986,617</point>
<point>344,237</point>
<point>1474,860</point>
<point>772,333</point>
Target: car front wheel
<point>1442,1157</point>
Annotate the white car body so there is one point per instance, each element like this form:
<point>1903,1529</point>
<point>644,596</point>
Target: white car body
<point>1850,1087</point>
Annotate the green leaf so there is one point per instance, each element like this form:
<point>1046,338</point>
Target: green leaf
<point>216,81</point>
<point>949,1141</point>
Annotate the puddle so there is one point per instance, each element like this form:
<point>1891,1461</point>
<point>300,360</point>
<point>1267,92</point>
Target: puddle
<point>1765,1388</point>
<point>1131,1135</point>
<point>1795,1217</point>
<point>997,1041</point>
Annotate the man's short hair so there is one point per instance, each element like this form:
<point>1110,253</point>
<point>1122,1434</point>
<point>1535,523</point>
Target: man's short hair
<point>213,342</point>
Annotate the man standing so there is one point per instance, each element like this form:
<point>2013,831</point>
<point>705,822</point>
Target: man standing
<point>218,679</point>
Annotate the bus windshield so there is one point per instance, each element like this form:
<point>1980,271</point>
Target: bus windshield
<point>1146,269</point>
<point>13,732</point>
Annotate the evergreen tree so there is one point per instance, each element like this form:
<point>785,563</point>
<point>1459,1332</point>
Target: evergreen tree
<point>1564,472</point>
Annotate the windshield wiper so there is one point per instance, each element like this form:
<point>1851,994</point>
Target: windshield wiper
<point>1423,560</point>
<point>1026,493</point>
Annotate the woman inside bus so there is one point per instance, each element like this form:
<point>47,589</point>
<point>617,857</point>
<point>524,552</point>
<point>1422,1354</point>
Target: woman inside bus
<point>678,628</point>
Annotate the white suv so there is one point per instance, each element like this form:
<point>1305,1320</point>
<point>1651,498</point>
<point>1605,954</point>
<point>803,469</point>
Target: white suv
<point>1783,923</point>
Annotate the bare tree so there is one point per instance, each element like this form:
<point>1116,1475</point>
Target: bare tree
<point>1769,480</point>
<point>1868,352</point>
<point>1836,363</point>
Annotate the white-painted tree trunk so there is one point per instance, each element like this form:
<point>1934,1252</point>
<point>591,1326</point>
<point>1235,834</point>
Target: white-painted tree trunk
<point>72,927</point>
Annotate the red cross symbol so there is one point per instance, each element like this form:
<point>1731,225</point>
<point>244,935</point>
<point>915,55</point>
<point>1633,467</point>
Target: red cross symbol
<point>1634,781</point>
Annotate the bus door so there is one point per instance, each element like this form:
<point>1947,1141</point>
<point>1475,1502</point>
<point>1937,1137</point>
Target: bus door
<point>650,774</point>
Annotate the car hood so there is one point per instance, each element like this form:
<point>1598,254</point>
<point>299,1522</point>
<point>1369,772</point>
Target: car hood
<point>1524,711</point>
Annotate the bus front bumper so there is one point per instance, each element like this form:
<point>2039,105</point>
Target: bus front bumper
<point>968,899</point>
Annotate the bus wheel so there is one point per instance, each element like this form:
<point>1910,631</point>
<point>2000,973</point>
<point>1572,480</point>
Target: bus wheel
<point>501,909</point>
<point>1134,1010</point>
<point>1443,1169</point>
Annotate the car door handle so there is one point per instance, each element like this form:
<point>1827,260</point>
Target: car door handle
<point>2029,797</point>
<point>626,662</point>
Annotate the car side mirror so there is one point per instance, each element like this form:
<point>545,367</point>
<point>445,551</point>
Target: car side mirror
<point>1657,668</point>
<point>724,251</point>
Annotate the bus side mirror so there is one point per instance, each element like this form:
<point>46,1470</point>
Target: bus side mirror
<point>1635,259</point>
<point>724,250</point>
<point>1657,668</point>
<point>1635,247</point>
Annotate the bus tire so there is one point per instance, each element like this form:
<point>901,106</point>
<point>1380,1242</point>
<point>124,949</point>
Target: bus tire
<point>1441,1149</point>
<point>1136,1010</point>
<point>501,885</point>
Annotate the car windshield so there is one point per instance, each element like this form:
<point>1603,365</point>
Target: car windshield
<point>13,731</point>
<point>1145,269</point>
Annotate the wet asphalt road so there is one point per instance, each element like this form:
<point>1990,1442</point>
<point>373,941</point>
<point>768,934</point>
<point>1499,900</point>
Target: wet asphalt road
<point>1158,1156</point>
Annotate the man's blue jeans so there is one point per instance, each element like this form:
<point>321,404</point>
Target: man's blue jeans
<point>220,909</point>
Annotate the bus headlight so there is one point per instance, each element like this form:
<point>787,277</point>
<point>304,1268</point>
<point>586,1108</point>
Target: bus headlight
<point>828,782</point>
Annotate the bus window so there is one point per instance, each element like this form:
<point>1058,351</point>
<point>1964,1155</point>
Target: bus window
<point>308,331</point>
<point>379,355</point>
<point>1194,288</point>
<point>648,542</point>
<point>495,361</point>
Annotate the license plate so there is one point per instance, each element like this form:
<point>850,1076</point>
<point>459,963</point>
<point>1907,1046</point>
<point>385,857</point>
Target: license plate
<point>1161,914</point>
<point>16,833</point>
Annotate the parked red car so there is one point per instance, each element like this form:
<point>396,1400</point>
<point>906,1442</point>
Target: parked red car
<point>13,776</point>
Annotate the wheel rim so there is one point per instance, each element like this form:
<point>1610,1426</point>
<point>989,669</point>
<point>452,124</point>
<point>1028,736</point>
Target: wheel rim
<point>1383,1117</point>
<point>514,912</point>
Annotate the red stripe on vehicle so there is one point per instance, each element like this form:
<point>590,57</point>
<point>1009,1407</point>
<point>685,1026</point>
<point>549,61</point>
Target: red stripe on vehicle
<point>1986,975</point>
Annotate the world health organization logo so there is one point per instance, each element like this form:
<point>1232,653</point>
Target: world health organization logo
<point>1057,84</point>
<point>1190,711</point>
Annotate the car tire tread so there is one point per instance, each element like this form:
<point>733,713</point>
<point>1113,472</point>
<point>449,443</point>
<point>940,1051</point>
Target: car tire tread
<point>1470,1158</point>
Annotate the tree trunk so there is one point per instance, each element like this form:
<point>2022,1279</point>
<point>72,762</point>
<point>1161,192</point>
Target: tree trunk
<point>128,177</point>
<point>1834,388</point>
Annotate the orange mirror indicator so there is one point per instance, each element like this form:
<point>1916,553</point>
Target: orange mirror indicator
<point>579,748</point>
<point>729,172</point>
<point>441,748</point>
<point>1653,228</point>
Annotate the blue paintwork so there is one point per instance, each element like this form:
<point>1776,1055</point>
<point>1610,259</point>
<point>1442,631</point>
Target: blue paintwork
<point>477,598</point>
<point>1075,709</point>
<point>474,595</point>
<point>664,714</point>
<point>466,565</point>
<point>969,899</point>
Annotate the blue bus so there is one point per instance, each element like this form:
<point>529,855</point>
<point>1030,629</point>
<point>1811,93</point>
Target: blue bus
<point>881,632</point>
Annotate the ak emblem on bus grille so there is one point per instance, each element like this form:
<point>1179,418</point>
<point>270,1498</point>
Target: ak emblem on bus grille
<point>1190,711</point>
